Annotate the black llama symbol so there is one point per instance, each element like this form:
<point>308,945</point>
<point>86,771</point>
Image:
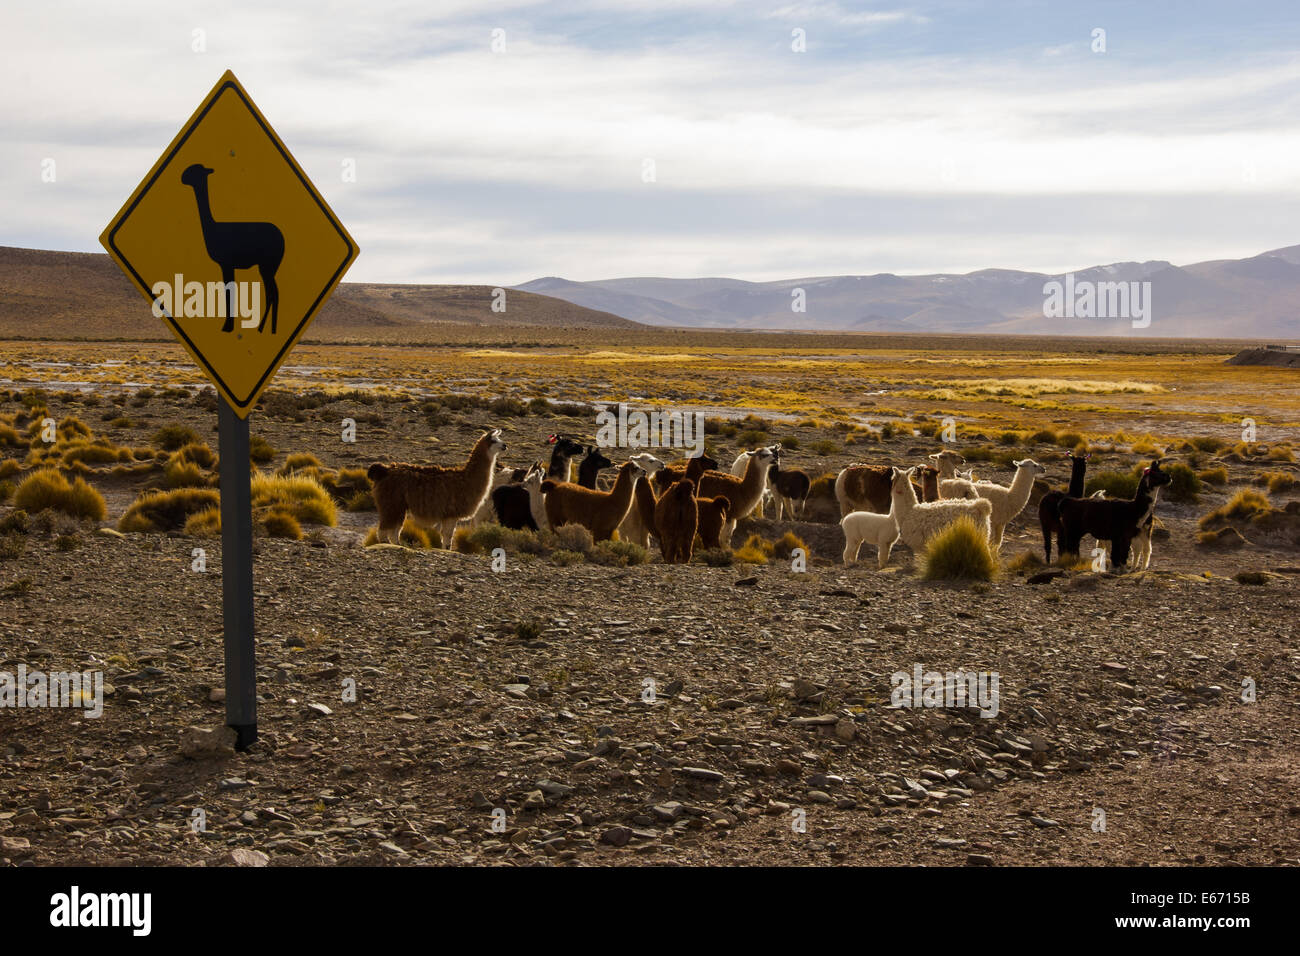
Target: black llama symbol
<point>238,245</point>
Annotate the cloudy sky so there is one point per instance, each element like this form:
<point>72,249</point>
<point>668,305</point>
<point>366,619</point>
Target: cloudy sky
<point>911,137</point>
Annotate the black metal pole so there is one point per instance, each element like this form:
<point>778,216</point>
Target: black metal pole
<point>237,575</point>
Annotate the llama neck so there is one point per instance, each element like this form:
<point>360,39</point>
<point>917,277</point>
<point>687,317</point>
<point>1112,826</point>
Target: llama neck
<point>903,500</point>
<point>587,472</point>
<point>1022,485</point>
<point>695,468</point>
<point>756,475</point>
<point>1076,479</point>
<point>201,198</point>
<point>645,501</point>
<point>622,490</point>
<point>482,459</point>
<point>947,469</point>
<point>559,466</point>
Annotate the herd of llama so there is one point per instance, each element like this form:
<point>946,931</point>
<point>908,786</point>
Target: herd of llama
<point>691,503</point>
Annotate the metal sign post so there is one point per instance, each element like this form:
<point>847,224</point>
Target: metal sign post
<point>227,200</point>
<point>237,574</point>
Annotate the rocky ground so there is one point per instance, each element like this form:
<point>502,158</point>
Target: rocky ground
<point>768,738</point>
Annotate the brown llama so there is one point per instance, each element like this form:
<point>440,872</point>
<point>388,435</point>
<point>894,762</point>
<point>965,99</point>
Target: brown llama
<point>435,496</point>
<point>676,520</point>
<point>600,512</point>
<point>864,488</point>
<point>743,494</point>
<point>712,519</point>
<point>690,468</point>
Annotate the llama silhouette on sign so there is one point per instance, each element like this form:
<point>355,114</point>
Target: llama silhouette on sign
<point>238,245</point>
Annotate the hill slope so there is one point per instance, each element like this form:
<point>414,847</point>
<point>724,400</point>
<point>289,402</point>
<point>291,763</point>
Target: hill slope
<point>45,294</point>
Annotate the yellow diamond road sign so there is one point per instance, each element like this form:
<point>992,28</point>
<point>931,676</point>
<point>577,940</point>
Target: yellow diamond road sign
<point>231,243</point>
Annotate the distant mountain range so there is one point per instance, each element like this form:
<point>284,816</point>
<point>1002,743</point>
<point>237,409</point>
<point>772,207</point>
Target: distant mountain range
<point>1257,297</point>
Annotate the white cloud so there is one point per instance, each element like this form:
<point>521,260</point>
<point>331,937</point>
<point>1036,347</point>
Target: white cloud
<point>416,96</point>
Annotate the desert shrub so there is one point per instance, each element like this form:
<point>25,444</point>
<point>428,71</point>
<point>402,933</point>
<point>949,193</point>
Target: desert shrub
<point>198,453</point>
<point>1208,444</point>
<point>539,406</point>
<point>1243,506</point>
<point>1281,453</point>
<point>15,522</point>
<point>435,414</point>
<point>183,474</point>
<point>300,461</point>
<point>960,552</point>
<point>259,449</point>
<point>823,447</point>
<point>564,558</point>
<point>9,467</point>
<point>484,539</point>
<point>278,523</point>
<point>1146,445</point>
<point>978,453</point>
<point>1214,476</point>
<point>1010,438</point>
<point>1116,484</point>
<point>361,501</point>
<point>299,495</point>
<point>574,537</point>
<point>10,437</point>
<point>67,542</point>
<point>204,524</point>
<point>1023,562</point>
<point>166,510</point>
<point>47,489</point>
<point>755,550</point>
<point>507,407</point>
<point>787,543</point>
<point>751,438</point>
<point>72,427</point>
<point>714,557</point>
<point>346,483</point>
<point>618,553</point>
<point>12,546</point>
<point>1223,538</point>
<point>459,403</point>
<point>1044,436</point>
<point>1255,578</point>
<point>1184,485</point>
<point>1069,440</point>
<point>1276,481</point>
<point>7,489</point>
<point>790,443</point>
<point>174,437</point>
<point>93,453</point>
<point>411,535</point>
<point>117,421</point>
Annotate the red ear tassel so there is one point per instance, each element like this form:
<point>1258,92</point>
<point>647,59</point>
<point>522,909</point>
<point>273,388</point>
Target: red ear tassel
<point>551,440</point>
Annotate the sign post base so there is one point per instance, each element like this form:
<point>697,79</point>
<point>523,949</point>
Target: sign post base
<point>237,575</point>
